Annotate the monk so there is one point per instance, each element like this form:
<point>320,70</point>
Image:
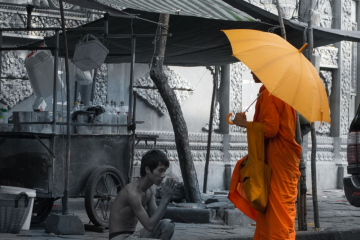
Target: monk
<point>282,154</point>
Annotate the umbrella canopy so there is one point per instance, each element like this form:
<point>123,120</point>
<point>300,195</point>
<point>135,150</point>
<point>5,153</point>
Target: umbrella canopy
<point>284,71</point>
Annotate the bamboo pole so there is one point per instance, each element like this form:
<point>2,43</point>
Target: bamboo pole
<point>281,21</point>
<point>313,142</point>
<point>210,129</point>
<point>65,198</point>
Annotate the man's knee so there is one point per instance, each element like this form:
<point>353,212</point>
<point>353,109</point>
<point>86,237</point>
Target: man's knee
<point>168,225</point>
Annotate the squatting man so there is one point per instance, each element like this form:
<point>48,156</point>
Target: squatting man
<point>136,202</point>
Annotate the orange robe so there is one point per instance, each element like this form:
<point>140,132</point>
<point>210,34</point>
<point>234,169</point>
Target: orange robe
<point>282,154</point>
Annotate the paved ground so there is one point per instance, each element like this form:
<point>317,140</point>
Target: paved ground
<point>338,220</point>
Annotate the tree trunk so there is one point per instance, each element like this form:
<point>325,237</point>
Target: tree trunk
<point>179,125</point>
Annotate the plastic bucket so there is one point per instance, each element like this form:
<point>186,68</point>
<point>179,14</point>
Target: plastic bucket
<point>89,54</point>
<point>30,192</point>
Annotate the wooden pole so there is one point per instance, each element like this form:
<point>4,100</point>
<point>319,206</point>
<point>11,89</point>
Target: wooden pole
<point>65,198</point>
<point>210,129</point>
<point>313,142</point>
<point>281,21</point>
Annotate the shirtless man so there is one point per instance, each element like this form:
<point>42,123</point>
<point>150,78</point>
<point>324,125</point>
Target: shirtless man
<point>136,202</point>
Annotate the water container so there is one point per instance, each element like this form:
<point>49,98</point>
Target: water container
<point>40,68</point>
<point>4,114</point>
<point>114,118</point>
<point>99,120</point>
<point>30,192</point>
<point>122,118</point>
<point>107,118</point>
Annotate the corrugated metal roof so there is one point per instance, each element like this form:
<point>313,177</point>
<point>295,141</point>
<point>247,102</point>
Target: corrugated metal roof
<point>214,9</point>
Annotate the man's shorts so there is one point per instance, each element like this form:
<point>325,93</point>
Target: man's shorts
<point>163,230</point>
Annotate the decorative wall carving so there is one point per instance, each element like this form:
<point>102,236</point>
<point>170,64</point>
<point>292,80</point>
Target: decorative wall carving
<point>236,91</point>
<point>346,48</point>
<point>172,145</point>
<point>326,77</point>
<point>328,56</point>
<point>13,66</point>
<point>238,146</point>
<point>16,17</point>
<point>215,156</point>
<point>42,3</point>
<point>193,137</point>
<point>15,90</point>
<point>343,157</point>
<point>235,156</point>
<point>182,88</point>
<point>101,85</point>
<point>216,119</point>
<point>346,23</point>
<point>55,3</point>
<point>238,138</point>
<point>325,10</point>
<point>354,70</point>
<point>324,129</point>
<point>323,140</point>
<point>345,87</point>
<point>321,156</point>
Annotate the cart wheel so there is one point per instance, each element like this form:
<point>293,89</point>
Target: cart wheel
<point>41,210</point>
<point>101,189</point>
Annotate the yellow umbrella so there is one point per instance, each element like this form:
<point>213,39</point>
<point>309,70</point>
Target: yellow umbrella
<point>284,71</point>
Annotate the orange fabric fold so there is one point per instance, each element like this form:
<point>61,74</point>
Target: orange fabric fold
<point>282,154</point>
<point>237,194</point>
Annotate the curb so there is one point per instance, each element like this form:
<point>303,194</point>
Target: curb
<point>349,234</point>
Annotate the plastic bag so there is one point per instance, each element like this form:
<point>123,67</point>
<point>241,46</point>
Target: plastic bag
<point>83,77</point>
<point>174,171</point>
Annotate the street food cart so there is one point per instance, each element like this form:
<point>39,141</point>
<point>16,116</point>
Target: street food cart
<point>100,165</point>
<point>98,170</point>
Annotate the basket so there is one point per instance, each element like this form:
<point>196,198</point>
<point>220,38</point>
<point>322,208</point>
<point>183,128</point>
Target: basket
<point>13,212</point>
<point>89,54</point>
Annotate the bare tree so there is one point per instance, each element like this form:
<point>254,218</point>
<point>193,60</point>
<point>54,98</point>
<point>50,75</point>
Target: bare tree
<point>179,125</point>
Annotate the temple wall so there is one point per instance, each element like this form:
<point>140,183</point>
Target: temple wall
<point>337,70</point>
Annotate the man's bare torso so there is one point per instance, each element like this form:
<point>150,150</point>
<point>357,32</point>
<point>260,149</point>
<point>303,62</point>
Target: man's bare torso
<point>122,216</point>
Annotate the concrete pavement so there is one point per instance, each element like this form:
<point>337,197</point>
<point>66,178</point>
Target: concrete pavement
<point>338,220</point>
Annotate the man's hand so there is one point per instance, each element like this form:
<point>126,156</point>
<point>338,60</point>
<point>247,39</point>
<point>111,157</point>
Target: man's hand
<point>240,119</point>
<point>168,189</point>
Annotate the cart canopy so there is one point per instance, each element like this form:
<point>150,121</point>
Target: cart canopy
<point>195,41</point>
<point>215,9</point>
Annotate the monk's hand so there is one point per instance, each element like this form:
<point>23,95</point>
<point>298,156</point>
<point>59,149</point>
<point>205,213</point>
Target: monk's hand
<point>240,119</point>
<point>168,189</point>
